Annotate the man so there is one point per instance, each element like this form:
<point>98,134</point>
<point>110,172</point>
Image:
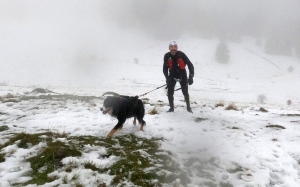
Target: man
<point>175,61</point>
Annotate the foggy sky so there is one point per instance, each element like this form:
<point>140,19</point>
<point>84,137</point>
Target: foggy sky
<point>73,33</point>
<point>169,19</point>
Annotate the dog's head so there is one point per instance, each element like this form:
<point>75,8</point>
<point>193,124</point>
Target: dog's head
<point>108,105</point>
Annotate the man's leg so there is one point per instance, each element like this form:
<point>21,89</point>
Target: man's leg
<point>171,87</point>
<point>185,92</point>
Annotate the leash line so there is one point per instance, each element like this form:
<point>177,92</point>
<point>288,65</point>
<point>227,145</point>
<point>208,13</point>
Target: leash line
<point>152,90</point>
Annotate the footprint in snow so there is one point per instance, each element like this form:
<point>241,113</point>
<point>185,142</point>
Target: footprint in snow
<point>247,176</point>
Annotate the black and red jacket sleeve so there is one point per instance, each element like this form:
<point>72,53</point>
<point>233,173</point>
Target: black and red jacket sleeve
<point>165,66</point>
<point>189,64</point>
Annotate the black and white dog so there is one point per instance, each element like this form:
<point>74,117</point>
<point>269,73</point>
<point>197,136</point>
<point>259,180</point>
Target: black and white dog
<point>123,107</point>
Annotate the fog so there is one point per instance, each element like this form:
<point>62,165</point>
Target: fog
<point>75,38</point>
<point>200,18</point>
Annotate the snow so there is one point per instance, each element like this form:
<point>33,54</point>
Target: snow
<point>215,146</point>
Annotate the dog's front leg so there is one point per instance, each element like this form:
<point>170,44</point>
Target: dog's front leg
<point>119,124</point>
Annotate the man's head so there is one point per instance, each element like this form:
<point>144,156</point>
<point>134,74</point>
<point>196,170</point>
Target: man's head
<point>173,47</point>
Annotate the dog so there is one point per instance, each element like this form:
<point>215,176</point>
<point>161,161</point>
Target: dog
<point>123,107</point>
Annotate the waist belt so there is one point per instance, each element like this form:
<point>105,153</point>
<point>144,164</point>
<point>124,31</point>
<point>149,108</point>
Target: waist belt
<point>177,80</point>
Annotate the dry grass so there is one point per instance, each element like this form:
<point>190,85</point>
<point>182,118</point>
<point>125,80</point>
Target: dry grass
<point>231,106</point>
<point>262,109</point>
<point>153,111</point>
<point>220,104</point>
<point>275,126</point>
<point>198,120</point>
<point>9,95</point>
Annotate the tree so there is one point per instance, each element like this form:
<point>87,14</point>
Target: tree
<point>222,53</point>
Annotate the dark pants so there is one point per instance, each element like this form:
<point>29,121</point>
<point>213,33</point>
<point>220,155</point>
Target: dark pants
<point>184,89</point>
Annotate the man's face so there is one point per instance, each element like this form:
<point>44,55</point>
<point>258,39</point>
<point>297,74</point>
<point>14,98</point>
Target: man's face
<point>173,49</point>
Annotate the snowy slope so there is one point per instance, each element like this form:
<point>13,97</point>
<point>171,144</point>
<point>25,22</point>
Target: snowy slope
<point>216,147</point>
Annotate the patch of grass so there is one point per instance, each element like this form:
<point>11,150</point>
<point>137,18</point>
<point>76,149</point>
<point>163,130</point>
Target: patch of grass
<point>2,157</point>
<point>3,128</point>
<point>141,161</point>
<point>225,185</point>
<point>9,95</point>
<point>220,104</point>
<point>65,180</point>
<point>9,100</point>
<point>275,126</point>
<point>231,106</point>
<point>90,165</point>
<point>198,120</point>
<point>78,185</point>
<point>133,164</point>
<point>153,111</point>
<point>25,140</point>
<point>262,109</point>
<point>290,115</point>
<point>102,185</point>
<point>74,177</point>
<point>61,135</point>
<point>50,158</point>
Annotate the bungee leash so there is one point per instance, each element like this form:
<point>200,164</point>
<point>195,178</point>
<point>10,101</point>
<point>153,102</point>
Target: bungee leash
<point>152,90</point>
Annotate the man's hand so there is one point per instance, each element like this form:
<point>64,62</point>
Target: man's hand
<point>191,79</point>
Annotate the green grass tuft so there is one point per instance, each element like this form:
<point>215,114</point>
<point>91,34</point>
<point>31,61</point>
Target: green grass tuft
<point>2,157</point>
<point>50,159</point>
<point>3,128</point>
<point>90,165</point>
<point>25,140</point>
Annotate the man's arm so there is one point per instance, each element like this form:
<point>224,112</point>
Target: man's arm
<point>189,64</point>
<point>165,66</point>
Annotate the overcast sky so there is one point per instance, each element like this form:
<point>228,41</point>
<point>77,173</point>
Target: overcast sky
<point>169,18</point>
<point>38,33</point>
<point>37,20</point>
